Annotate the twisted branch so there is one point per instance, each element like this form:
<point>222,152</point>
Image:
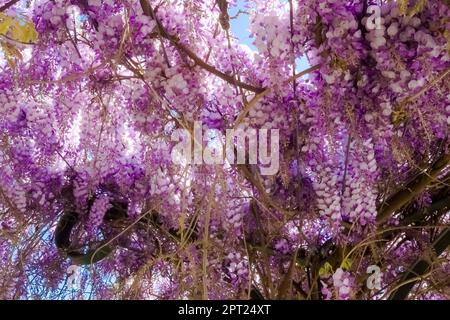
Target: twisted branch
<point>7,5</point>
<point>412,189</point>
<point>148,11</point>
<point>420,267</point>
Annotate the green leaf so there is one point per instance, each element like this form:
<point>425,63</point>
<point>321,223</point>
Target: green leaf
<point>326,270</point>
<point>418,7</point>
<point>346,264</point>
<point>403,7</point>
<point>5,23</point>
<point>18,28</point>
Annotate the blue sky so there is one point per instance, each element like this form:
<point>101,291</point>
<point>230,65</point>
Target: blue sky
<point>240,28</point>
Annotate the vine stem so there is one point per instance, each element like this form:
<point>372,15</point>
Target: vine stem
<point>419,268</point>
<point>412,189</point>
<point>147,9</point>
<point>7,5</point>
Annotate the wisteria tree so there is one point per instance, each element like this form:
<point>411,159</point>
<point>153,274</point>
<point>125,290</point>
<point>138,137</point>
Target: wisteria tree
<point>92,205</point>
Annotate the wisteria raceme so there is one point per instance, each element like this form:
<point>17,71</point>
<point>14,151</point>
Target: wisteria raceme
<point>237,268</point>
<point>94,92</point>
<point>98,210</point>
<point>342,282</point>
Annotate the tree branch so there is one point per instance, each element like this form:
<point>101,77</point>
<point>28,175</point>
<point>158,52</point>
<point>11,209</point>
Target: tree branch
<point>438,206</point>
<point>420,267</point>
<point>7,5</point>
<point>147,9</point>
<point>412,189</point>
<point>62,240</point>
